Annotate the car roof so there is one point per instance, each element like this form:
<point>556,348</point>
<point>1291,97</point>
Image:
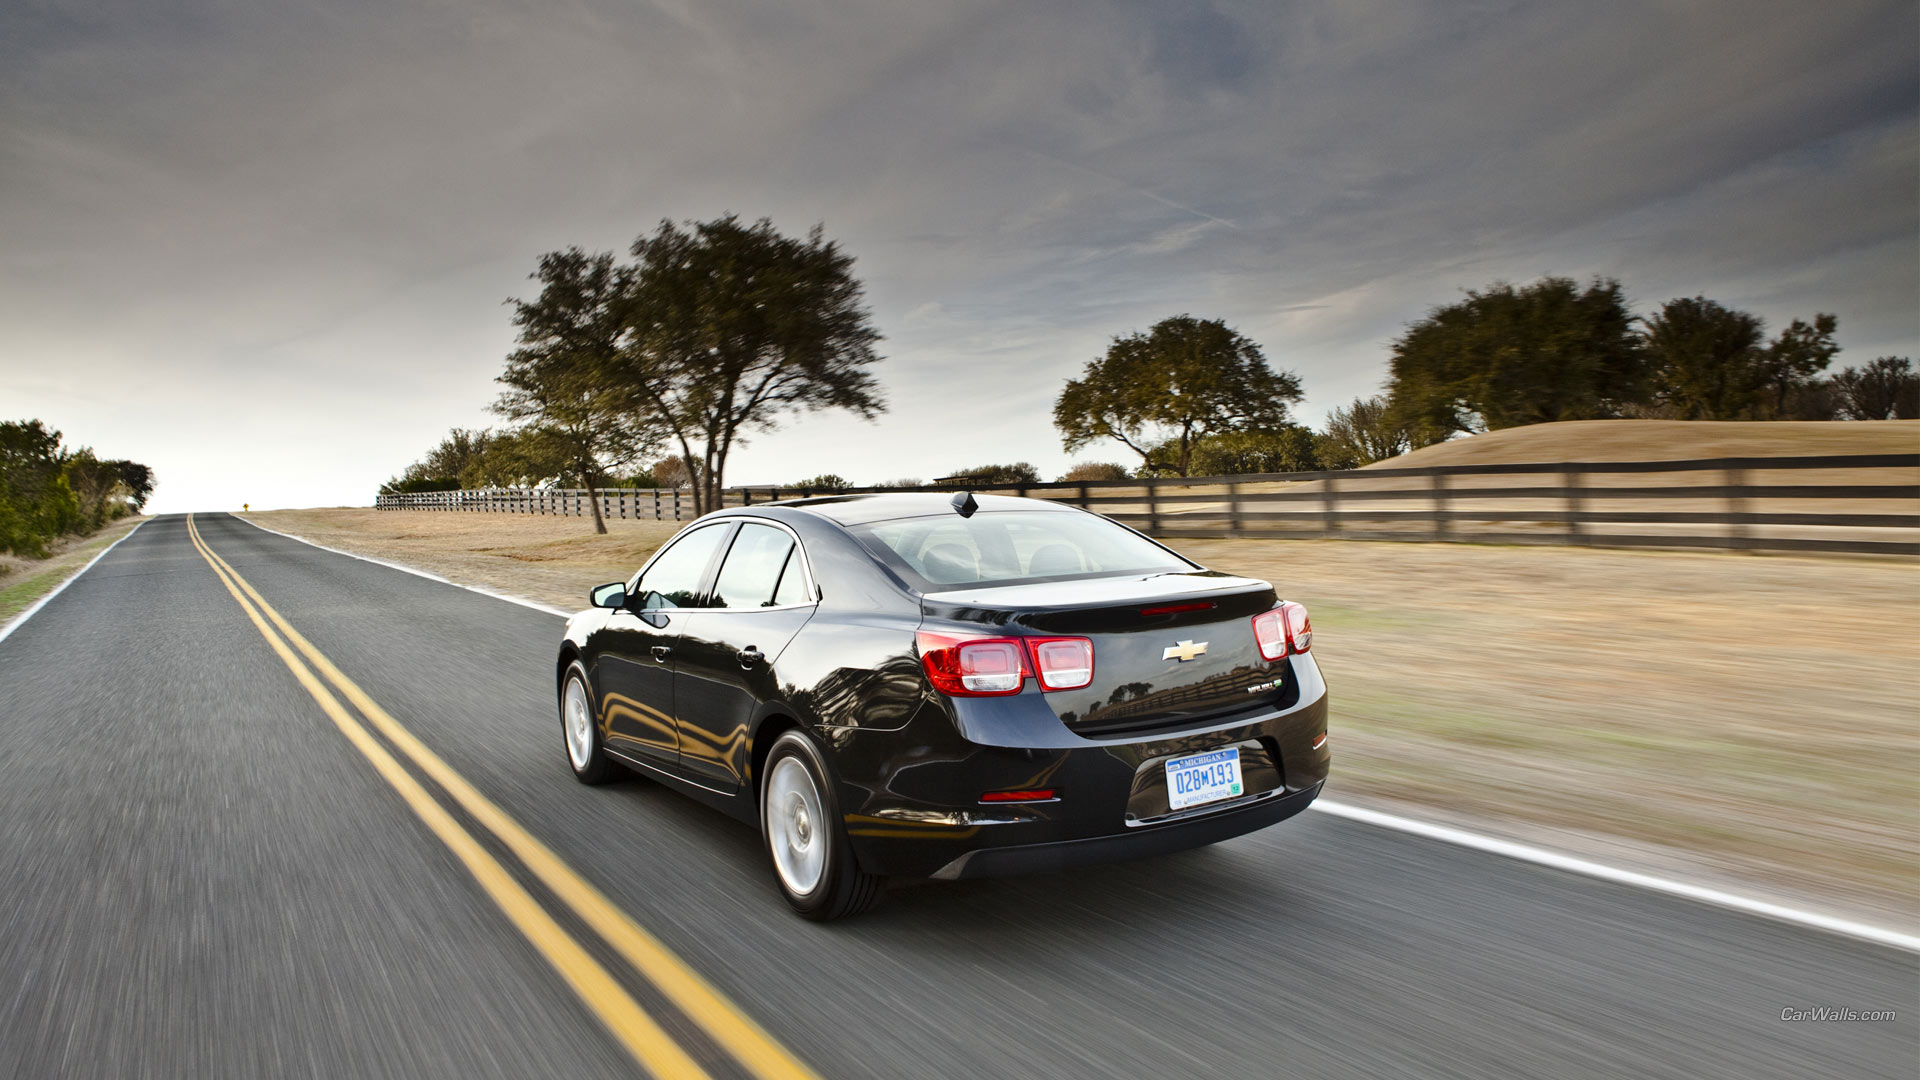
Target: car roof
<point>885,506</point>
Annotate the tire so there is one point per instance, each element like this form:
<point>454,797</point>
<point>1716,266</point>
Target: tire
<point>805,838</point>
<point>580,729</point>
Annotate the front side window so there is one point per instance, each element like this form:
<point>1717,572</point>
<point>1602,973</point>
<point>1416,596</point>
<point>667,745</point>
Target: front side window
<point>673,581</point>
<point>762,570</point>
<point>1008,548</point>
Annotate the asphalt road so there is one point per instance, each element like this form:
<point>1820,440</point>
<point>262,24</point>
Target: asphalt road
<point>201,877</point>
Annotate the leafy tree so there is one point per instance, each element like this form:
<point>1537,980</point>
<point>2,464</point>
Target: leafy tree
<point>1795,358</point>
<point>1711,362</point>
<point>1161,391</point>
<point>1288,448</point>
<point>728,327</point>
<point>47,491</point>
<point>1015,475</point>
<point>1509,356</point>
<point>1095,470</point>
<point>563,380</point>
<point>1364,432</point>
<point>1886,389</point>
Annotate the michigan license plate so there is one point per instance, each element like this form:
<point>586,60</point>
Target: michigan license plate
<point>1198,779</point>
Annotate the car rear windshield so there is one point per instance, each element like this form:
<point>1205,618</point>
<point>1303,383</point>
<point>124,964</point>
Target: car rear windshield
<point>1007,548</point>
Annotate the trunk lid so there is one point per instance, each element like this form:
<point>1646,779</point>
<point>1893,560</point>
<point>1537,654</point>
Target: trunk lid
<point>1152,668</point>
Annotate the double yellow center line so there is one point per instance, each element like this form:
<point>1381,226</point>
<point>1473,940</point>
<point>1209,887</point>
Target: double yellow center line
<point>623,1017</point>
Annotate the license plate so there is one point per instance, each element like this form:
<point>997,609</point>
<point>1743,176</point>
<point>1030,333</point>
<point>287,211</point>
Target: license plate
<point>1203,778</point>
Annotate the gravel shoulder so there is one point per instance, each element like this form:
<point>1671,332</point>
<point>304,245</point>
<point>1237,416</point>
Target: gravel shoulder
<point>1748,721</point>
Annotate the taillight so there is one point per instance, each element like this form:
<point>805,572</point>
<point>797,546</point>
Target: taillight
<point>988,667</point>
<point>1063,663</point>
<point>972,667</point>
<point>1284,629</point>
<point>1299,627</point>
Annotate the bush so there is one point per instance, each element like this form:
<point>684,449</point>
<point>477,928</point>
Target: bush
<point>1012,475</point>
<point>1095,470</point>
<point>823,482</point>
<point>408,485</point>
<point>1232,453</point>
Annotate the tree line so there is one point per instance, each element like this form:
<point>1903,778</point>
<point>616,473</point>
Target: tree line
<point>48,491</point>
<point>650,372</point>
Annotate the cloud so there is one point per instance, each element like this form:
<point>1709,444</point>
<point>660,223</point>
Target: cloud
<point>307,217</point>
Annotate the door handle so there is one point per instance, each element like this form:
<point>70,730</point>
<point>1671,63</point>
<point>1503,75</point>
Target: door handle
<point>661,652</point>
<point>750,656</point>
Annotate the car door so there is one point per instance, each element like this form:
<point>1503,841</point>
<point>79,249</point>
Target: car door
<point>761,597</point>
<point>634,674</point>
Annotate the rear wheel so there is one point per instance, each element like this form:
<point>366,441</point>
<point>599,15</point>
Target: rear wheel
<point>805,837</point>
<point>585,751</point>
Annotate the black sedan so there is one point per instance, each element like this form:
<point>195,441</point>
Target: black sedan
<point>913,685</point>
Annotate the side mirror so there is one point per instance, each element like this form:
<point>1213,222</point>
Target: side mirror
<point>610,596</point>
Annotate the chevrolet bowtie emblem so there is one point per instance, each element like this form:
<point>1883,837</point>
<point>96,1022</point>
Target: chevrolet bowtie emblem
<point>1184,651</point>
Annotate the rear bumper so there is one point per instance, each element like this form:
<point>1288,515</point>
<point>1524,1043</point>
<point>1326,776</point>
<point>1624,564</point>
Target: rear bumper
<point>1133,844</point>
<point>910,797</point>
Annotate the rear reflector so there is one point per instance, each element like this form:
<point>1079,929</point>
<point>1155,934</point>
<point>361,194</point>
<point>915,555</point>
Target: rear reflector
<point>1175,609</point>
<point>972,667</point>
<point>1063,663</point>
<point>1034,795</point>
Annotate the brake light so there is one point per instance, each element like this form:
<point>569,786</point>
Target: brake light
<point>1283,630</point>
<point>1175,609</point>
<point>972,666</point>
<point>1063,663</point>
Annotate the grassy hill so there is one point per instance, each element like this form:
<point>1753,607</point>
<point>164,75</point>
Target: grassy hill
<point>1667,440</point>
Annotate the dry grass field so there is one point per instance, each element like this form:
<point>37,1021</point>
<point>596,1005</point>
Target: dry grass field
<point>1749,720</point>
<point>1667,440</point>
<point>22,581</point>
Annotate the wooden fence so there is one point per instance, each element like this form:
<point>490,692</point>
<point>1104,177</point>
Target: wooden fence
<point>1863,503</point>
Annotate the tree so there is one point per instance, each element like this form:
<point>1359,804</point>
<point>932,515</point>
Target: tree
<point>1886,389</point>
<point>1706,359</point>
<point>729,327</point>
<point>1711,362</point>
<point>1364,432</point>
<point>1504,357</point>
<point>1182,380</point>
<point>1797,356</point>
<point>563,379</point>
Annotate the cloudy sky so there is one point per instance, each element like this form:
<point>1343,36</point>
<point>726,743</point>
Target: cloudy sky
<point>264,247</point>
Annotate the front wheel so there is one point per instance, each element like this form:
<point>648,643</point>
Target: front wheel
<point>805,836</point>
<point>585,751</point>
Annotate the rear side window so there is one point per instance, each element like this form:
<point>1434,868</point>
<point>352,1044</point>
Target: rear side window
<point>673,581</point>
<point>1007,548</point>
<point>759,562</point>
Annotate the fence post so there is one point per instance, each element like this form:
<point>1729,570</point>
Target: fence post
<point>1329,505</point>
<point>1575,503</point>
<point>1083,496</point>
<point>1233,507</point>
<point>1438,481</point>
<point>676,504</point>
<point>1153,506</point>
<point>1736,480</point>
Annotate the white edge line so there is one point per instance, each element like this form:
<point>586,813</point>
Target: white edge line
<point>416,572</point>
<point>20,619</point>
<point>1443,833</point>
<point>1542,857</point>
